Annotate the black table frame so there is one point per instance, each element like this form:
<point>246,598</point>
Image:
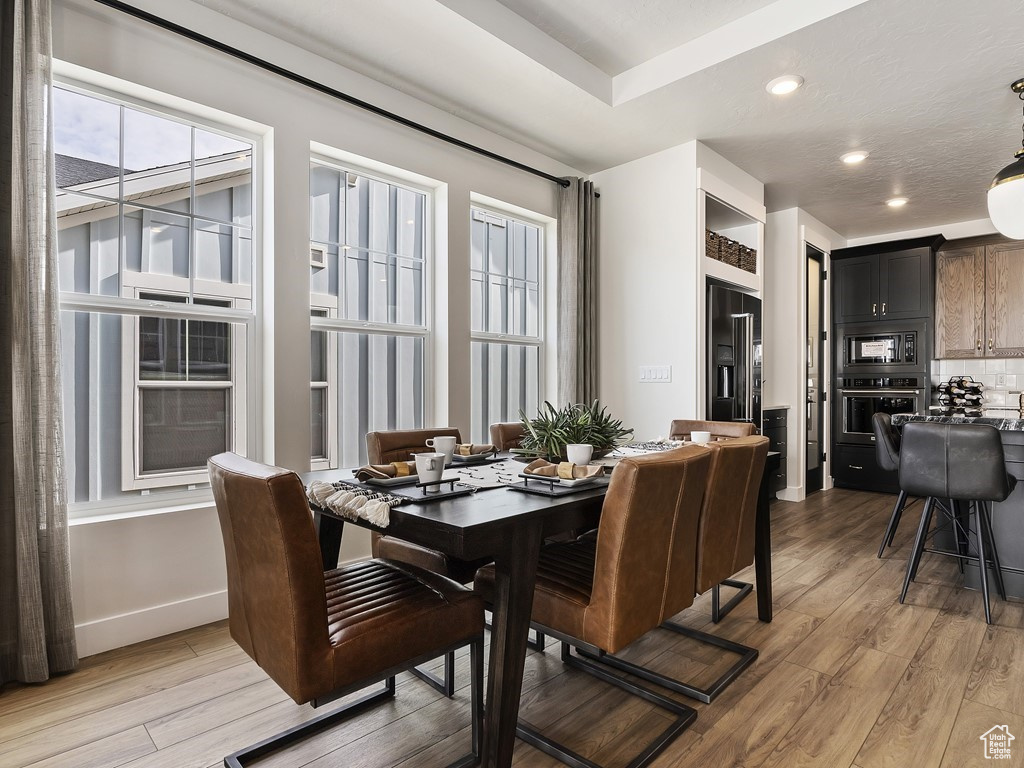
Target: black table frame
<point>510,527</point>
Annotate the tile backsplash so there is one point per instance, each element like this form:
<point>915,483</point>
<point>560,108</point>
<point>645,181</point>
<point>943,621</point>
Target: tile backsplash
<point>1003,378</point>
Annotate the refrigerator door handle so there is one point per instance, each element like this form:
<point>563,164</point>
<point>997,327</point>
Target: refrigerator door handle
<point>749,351</point>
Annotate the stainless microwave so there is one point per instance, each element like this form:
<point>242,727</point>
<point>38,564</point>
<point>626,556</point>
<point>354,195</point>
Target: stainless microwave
<point>882,349</point>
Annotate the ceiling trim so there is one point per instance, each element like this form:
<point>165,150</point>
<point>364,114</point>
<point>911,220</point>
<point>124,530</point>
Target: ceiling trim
<point>762,26</point>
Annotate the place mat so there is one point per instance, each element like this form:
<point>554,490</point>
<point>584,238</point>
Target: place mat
<point>494,474</point>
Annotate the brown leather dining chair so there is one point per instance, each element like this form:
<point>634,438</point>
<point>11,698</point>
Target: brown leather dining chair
<point>323,634</point>
<point>681,429</point>
<point>600,593</point>
<point>725,545</point>
<point>506,435</point>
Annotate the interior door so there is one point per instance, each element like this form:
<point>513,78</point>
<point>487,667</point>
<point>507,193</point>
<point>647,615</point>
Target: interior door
<point>815,370</point>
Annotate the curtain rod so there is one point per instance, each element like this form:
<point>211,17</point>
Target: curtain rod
<point>325,89</point>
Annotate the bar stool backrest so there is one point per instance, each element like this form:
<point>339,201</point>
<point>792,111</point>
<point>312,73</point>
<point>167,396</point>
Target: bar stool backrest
<point>953,461</point>
<point>887,442</point>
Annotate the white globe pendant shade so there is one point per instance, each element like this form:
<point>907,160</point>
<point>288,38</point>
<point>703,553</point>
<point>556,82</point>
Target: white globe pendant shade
<point>1006,199</point>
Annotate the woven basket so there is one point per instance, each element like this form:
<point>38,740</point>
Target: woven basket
<point>748,259</point>
<point>712,243</point>
<point>730,252</point>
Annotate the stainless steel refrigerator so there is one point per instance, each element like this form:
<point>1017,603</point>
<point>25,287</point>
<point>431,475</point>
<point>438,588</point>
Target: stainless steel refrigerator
<point>733,356</point>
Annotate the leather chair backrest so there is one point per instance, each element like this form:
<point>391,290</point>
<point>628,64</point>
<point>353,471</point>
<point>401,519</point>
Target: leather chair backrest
<point>277,605</point>
<point>887,442</point>
<point>725,538</point>
<point>400,444</point>
<point>683,427</point>
<point>953,461</point>
<point>507,435</point>
<point>646,543</point>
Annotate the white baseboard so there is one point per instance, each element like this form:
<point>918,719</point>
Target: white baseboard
<point>792,493</point>
<point>156,621</point>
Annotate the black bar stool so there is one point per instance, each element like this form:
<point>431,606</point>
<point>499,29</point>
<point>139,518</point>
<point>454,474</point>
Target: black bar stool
<point>962,463</point>
<point>887,454</point>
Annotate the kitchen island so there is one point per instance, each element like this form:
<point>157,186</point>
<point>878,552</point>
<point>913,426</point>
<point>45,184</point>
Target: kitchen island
<point>1007,516</point>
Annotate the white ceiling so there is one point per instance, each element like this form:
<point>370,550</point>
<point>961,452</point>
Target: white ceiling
<point>921,84</point>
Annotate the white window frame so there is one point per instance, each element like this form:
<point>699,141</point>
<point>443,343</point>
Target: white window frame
<point>187,489</point>
<point>540,340</point>
<point>335,325</point>
<point>330,388</point>
<point>132,477</point>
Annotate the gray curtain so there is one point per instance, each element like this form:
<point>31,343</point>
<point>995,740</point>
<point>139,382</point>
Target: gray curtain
<point>577,293</point>
<point>37,630</point>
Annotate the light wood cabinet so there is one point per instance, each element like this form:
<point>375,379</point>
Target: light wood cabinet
<point>979,301</point>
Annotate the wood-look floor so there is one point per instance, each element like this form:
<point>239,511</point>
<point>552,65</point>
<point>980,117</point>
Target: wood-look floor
<point>847,677</point>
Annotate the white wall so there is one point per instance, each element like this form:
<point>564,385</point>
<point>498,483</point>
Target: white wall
<point>145,576</point>
<point>647,273</point>
<point>785,327</point>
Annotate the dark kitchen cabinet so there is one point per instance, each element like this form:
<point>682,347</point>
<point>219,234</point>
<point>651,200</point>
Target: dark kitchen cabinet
<point>773,426</point>
<point>884,281</point>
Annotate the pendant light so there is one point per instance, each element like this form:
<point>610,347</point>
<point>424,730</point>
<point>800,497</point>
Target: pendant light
<point>1006,195</point>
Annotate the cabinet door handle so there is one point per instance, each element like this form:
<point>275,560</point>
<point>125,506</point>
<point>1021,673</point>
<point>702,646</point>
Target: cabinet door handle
<point>883,307</point>
<point>990,343</point>
<point>978,347</point>
<point>874,309</point>
<point>854,466</point>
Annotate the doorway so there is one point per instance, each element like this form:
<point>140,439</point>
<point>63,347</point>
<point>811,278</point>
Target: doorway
<point>816,408</point>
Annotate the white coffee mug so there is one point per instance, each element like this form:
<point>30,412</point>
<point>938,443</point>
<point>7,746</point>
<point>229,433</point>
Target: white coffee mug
<point>700,437</point>
<point>445,445</point>
<point>429,467</point>
<point>579,453</point>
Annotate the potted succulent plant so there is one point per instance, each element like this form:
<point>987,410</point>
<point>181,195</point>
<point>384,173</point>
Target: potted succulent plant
<point>553,428</point>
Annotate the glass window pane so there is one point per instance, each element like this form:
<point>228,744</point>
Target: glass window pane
<point>478,301</point>
<point>478,245</point>
<point>326,203</point>
<point>533,254</point>
<point>86,142</point>
<point>497,249</point>
<point>506,378</point>
<point>356,284</point>
<point>209,350</point>
<point>223,253</point>
<point>182,428</point>
<point>156,242</point>
<point>318,356</point>
<point>162,349</point>
<point>87,253</point>
<point>325,279</point>
<point>518,232</point>
<point>409,222</point>
<point>318,423</point>
<point>497,311</point>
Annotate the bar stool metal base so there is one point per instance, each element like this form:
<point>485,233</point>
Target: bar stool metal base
<point>986,549</point>
<point>583,660</point>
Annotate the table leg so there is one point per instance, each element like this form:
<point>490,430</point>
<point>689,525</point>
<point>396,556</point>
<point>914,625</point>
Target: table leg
<point>328,530</point>
<point>515,574</point>
<point>763,548</point>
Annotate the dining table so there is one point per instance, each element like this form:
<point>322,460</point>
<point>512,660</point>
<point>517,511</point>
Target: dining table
<point>510,526</point>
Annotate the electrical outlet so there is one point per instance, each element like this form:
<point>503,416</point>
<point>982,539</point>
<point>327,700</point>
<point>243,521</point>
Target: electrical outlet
<point>656,374</point>
<point>1000,379</point>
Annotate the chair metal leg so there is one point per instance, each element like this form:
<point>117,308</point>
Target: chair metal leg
<point>706,695</point>
<point>985,517</point>
<point>915,555</point>
<point>246,756</point>
<point>894,521</point>
<point>684,716</point>
<point>445,685</point>
<point>718,611</point>
<point>983,563</point>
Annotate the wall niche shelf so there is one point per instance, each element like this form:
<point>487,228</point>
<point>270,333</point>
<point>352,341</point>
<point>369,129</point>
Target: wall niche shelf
<point>742,227</point>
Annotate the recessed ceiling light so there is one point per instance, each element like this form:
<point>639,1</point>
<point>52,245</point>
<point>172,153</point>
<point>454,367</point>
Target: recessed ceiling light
<point>896,202</point>
<point>854,158</point>
<point>780,86</point>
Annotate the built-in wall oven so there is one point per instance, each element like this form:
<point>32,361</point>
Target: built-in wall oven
<point>882,349</point>
<point>861,397</point>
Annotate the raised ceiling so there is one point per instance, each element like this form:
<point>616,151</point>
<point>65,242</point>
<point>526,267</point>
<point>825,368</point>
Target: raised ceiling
<point>921,84</point>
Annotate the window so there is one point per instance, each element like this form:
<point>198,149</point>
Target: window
<point>368,298</point>
<point>155,265</point>
<point>507,338</point>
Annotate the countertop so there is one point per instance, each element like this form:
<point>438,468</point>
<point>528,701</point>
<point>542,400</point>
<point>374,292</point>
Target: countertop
<point>1006,419</point>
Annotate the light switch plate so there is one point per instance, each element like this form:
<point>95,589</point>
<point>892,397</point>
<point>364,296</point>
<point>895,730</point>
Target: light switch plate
<point>656,374</point>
